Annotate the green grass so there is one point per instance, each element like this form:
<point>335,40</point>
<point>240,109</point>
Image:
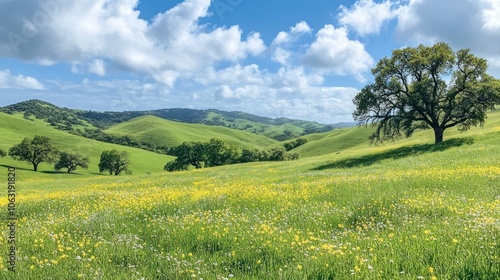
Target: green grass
<point>14,128</point>
<point>356,138</point>
<point>163,132</point>
<point>403,210</point>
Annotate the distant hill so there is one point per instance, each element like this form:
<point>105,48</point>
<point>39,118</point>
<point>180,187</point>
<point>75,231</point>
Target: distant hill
<point>161,132</point>
<point>72,120</point>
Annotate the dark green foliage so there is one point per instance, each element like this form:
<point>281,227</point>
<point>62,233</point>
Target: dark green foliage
<point>189,153</point>
<point>218,153</point>
<point>277,154</point>
<point>71,161</point>
<point>250,155</point>
<point>280,154</point>
<point>114,162</point>
<point>295,143</point>
<point>35,151</point>
<point>175,165</point>
<point>2,153</point>
<point>427,87</point>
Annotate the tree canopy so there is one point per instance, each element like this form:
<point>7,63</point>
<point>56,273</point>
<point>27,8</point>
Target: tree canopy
<point>114,162</point>
<point>35,151</point>
<point>427,87</point>
<point>217,152</point>
<point>2,153</point>
<point>71,161</point>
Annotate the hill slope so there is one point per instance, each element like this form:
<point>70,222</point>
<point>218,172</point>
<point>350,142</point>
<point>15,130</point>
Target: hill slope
<point>356,138</point>
<point>69,119</point>
<point>150,129</point>
<point>14,128</point>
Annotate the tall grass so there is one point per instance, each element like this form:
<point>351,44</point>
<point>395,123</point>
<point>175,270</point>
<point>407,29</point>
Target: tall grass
<point>393,213</point>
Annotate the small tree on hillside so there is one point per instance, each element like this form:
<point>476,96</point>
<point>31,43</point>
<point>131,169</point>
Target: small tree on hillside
<point>2,153</point>
<point>114,162</point>
<point>71,161</point>
<point>427,87</point>
<point>35,151</point>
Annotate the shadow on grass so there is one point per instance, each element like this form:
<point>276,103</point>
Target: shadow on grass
<point>396,153</point>
<point>60,172</point>
<point>17,168</point>
<point>44,171</point>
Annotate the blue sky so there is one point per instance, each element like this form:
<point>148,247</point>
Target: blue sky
<point>296,59</point>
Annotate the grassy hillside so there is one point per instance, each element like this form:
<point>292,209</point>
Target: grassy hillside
<point>404,210</point>
<point>14,128</point>
<point>71,120</point>
<point>342,140</point>
<point>163,132</point>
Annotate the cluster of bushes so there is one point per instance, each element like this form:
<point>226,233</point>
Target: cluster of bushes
<point>294,144</point>
<point>217,152</point>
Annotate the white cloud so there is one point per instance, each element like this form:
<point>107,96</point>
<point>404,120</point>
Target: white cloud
<point>281,56</point>
<point>491,15</point>
<point>366,17</point>
<point>98,67</point>
<point>282,43</point>
<point>111,31</point>
<point>463,24</point>
<point>334,52</point>
<point>9,81</point>
<point>291,91</point>
<point>295,32</point>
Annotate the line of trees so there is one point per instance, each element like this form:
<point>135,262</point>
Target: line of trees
<point>41,149</point>
<point>212,153</point>
<point>216,152</point>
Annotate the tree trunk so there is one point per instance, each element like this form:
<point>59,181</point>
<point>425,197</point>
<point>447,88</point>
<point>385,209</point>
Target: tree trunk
<point>35,167</point>
<point>438,135</point>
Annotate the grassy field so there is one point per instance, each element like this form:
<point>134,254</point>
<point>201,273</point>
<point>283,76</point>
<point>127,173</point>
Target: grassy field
<point>404,210</point>
<point>14,128</point>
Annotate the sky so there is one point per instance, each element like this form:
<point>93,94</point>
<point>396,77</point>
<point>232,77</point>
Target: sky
<point>296,59</point>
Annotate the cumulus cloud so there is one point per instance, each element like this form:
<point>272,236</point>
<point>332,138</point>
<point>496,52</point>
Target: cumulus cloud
<point>282,43</point>
<point>9,81</point>
<point>334,52</point>
<point>463,24</point>
<point>491,15</point>
<point>112,30</point>
<point>366,17</point>
<point>295,32</point>
<point>98,67</point>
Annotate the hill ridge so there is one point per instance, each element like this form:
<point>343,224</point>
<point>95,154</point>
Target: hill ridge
<point>67,119</point>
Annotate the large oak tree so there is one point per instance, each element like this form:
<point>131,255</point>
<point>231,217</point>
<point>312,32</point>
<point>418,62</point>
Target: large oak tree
<point>427,87</point>
<point>35,151</point>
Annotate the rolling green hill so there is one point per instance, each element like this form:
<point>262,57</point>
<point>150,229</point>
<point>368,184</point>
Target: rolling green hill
<point>356,138</point>
<point>14,128</point>
<point>403,210</point>
<point>73,120</point>
<point>150,129</point>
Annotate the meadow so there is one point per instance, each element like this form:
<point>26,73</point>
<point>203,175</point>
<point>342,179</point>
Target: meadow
<point>404,210</point>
